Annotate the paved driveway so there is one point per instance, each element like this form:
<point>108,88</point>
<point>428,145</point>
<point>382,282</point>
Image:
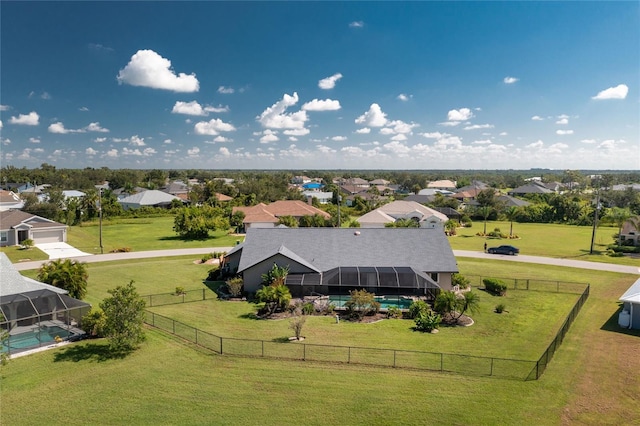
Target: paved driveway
<point>60,250</point>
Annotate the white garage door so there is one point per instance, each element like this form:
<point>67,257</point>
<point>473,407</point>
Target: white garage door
<point>40,237</point>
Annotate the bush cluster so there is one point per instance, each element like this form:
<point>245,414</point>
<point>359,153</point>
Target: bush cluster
<point>495,286</point>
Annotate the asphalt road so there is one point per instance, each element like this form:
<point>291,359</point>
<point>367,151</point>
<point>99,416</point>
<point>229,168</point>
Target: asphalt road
<point>571,263</point>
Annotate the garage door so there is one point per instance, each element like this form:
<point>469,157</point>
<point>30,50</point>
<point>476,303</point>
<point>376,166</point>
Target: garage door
<point>40,237</point>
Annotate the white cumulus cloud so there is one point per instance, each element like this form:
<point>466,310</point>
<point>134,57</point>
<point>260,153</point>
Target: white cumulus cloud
<point>297,132</point>
<point>322,105</point>
<point>274,117</point>
<point>136,141</point>
<point>356,24</point>
<point>60,129</point>
<point>213,127</point>
<point>364,131</point>
<point>510,80</point>
<point>269,136</point>
<point>90,151</point>
<point>339,138</point>
<point>30,119</point>
<point>374,117</point>
<point>564,132</point>
<point>226,90</point>
<point>329,82</point>
<point>194,108</point>
<point>95,127</point>
<point>479,126</point>
<point>537,118</point>
<point>403,97</point>
<point>618,92</point>
<point>459,114</point>
<point>148,69</point>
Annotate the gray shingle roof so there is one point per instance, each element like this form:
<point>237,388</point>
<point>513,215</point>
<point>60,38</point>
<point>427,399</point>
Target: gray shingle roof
<point>326,248</point>
<point>14,283</point>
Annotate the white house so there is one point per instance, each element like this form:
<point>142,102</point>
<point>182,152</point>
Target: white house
<point>630,315</point>
<point>396,210</point>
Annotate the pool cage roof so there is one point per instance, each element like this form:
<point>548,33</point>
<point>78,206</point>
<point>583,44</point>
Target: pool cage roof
<point>37,303</point>
<point>365,276</point>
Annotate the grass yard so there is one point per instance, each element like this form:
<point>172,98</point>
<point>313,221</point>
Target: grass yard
<point>592,379</point>
<point>548,240</point>
<point>16,254</point>
<point>153,233</point>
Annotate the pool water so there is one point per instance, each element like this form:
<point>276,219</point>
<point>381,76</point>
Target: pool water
<point>386,302</point>
<point>34,338</point>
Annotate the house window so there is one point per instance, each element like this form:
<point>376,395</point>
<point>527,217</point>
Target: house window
<point>3,237</point>
<point>434,276</point>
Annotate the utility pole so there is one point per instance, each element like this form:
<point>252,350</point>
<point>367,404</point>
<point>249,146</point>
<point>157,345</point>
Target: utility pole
<point>595,216</point>
<point>100,216</point>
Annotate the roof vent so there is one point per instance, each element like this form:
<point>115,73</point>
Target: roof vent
<point>356,233</point>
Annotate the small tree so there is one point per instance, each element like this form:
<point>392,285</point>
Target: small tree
<point>297,322</point>
<point>276,275</point>
<point>453,306</point>
<point>67,274</point>
<point>288,221</point>
<point>361,303</point>
<point>124,312</point>
<point>275,298</point>
<point>460,280</point>
<point>27,244</point>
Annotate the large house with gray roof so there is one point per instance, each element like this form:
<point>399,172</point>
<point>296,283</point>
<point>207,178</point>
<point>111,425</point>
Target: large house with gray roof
<point>17,226</point>
<point>385,261</point>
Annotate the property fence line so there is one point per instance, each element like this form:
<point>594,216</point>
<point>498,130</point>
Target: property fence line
<point>545,358</point>
<point>396,358</point>
<point>381,357</point>
<point>197,295</point>
<point>532,284</point>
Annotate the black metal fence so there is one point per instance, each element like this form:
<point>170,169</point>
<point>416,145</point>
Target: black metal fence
<point>433,361</point>
<point>418,360</point>
<point>173,298</point>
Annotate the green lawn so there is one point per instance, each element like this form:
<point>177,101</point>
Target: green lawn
<point>170,382</point>
<point>548,240</point>
<point>154,233</point>
<point>17,254</point>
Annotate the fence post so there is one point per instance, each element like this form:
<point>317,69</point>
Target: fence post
<point>441,362</point>
<point>557,286</point>
<point>304,351</point>
<point>394,358</point>
<point>527,283</point>
<point>262,348</point>
<point>221,346</point>
<point>491,369</point>
<point>204,296</point>
<point>349,355</point>
<point>173,322</point>
<point>196,336</point>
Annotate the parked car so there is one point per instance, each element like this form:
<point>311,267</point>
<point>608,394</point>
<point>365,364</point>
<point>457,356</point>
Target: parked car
<point>510,250</point>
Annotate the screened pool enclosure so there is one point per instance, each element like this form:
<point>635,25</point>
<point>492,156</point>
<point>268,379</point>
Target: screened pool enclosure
<point>379,280</point>
<point>35,314</point>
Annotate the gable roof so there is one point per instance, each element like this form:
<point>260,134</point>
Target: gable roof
<point>632,294</point>
<point>11,218</point>
<point>402,207</point>
<point>445,183</point>
<point>323,249</point>
<point>512,201</point>
<point>531,188</point>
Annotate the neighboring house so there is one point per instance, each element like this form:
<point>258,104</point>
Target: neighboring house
<point>630,315</point>
<point>17,226</point>
<point>631,231</point>
<point>509,201</point>
<point>420,198</point>
<point>72,193</point>
<point>223,197</point>
<point>34,311</point>
<point>10,200</point>
<point>122,193</point>
<point>176,188</point>
<point>380,182</point>
<point>531,188</point>
<point>442,184</point>
<point>323,197</point>
<point>449,212</point>
<point>624,187</point>
<point>388,261</point>
<point>268,215</point>
<point>149,198</point>
<point>476,184</point>
<point>395,210</point>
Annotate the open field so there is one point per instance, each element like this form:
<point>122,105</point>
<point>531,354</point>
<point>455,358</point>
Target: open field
<point>591,380</point>
<point>152,233</point>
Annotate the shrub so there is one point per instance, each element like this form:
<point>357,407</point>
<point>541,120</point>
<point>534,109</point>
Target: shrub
<point>214,274</point>
<point>460,280</point>
<point>361,303</point>
<point>296,324</point>
<point>394,312</point>
<point>121,250</point>
<point>180,291</point>
<point>234,285</point>
<point>466,222</point>
<point>495,286</point>
<point>207,256</point>
<point>418,307</point>
<point>28,243</point>
<point>428,321</point>
<point>93,323</point>
<point>275,298</point>
<point>500,308</point>
<point>307,308</point>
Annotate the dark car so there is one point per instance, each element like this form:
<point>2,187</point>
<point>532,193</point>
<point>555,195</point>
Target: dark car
<point>510,250</point>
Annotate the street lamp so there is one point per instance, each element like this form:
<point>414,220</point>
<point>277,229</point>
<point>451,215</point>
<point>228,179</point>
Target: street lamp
<point>595,216</point>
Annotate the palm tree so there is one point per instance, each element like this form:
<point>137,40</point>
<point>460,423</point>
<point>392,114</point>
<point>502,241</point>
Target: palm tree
<point>511,213</point>
<point>485,211</point>
<point>618,216</point>
<point>67,274</point>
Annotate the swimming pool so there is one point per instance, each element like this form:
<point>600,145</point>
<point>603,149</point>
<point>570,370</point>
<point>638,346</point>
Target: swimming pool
<point>38,336</point>
<point>386,302</point>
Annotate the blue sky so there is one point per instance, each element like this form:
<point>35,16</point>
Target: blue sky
<point>327,85</point>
